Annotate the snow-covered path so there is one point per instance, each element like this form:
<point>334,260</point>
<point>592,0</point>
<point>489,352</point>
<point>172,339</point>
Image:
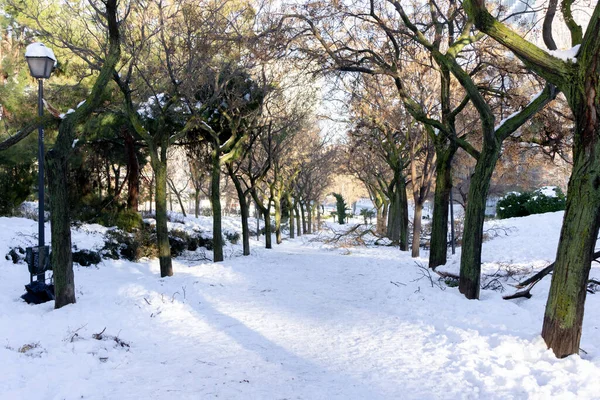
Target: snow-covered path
<point>295,322</point>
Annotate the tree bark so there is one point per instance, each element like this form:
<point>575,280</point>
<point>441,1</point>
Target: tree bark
<point>563,318</point>
<point>393,225</point>
<point>398,214</point>
<point>416,239</point>
<point>177,196</point>
<point>318,228</point>
<point>308,218</point>
<point>162,230</point>
<point>244,210</point>
<point>215,195</point>
<point>196,202</point>
<point>304,231</point>
<point>292,225</point>
<point>441,200</point>
<point>268,238</point>
<point>62,262</point>
<point>133,175</point>
<point>298,223</point>
<point>403,209</point>
<point>277,202</point>
<point>470,260</point>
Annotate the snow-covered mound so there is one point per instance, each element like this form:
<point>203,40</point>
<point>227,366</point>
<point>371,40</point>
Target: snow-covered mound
<point>301,321</point>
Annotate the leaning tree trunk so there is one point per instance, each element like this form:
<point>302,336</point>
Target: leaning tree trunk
<point>441,200</point>
<point>470,260</point>
<point>215,196</point>
<point>162,231</point>
<point>563,318</point>
<point>179,200</point>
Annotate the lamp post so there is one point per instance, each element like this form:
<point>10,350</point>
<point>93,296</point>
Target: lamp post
<point>41,62</point>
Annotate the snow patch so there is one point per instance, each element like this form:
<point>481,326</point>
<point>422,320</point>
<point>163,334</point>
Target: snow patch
<point>39,50</point>
<point>567,55</point>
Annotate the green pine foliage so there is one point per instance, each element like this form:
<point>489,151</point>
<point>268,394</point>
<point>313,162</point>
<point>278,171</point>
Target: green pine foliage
<point>16,184</point>
<point>341,207</point>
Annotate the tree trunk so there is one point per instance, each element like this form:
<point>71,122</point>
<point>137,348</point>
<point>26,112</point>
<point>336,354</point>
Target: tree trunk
<point>309,218</point>
<point>268,238</point>
<point>403,215</point>
<point>563,318</point>
<point>215,196</point>
<point>441,200</point>
<point>178,196</point>
<point>277,200</point>
<point>244,210</point>
<point>393,225</point>
<point>416,238</point>
<point>318,228</point>
<point>62,261</point>
<point>291,206</point>
<point>398,215</point>
<point>470,260</point>
<point>162,231</point>
<point>58,168</point>
<point>152,191</point>
<point>304,231</point>
<point>384,216</point>
<point>298,224</point>
<point>196,202</point>
<point>133,176</point>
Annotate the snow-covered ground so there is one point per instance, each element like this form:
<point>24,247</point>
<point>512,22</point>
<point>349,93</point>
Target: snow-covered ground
<point>302,321</point>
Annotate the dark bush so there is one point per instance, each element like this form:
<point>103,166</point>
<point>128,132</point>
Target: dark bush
<point>142,243</point>
<point>513,205</point>
<point>233,237</point>
<point>541,203</point>
<point>85,258</point>
<point>527,203</point>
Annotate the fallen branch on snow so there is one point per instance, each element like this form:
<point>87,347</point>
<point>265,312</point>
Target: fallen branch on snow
<point>532,281</point>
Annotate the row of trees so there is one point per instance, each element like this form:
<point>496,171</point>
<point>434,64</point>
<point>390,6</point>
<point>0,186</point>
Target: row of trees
<point>163,75</point>
<point>459,89</point>
<point>223,80</point>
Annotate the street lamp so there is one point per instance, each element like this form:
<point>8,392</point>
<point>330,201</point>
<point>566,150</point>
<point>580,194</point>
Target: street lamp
<point>41,62</point>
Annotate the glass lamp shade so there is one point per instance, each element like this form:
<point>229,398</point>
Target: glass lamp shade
<point>40,67</point>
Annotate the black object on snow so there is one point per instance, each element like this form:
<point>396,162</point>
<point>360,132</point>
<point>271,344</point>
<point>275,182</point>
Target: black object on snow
<point>38,293</point>
<point>16,255</point>
<point>85,258</point>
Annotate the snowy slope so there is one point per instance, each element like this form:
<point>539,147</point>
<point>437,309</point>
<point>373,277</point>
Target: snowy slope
<point>301,321</point>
